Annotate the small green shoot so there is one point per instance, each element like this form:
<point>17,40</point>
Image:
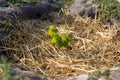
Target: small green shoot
<point>57,38</point>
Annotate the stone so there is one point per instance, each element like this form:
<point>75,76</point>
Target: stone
<point>83,7</point>
<point>114,20</point>
<point>25,75</point>
<point>76,9</point>
<point>115,75</point>
<point>91,11</point>
<point>32,11</point>
<point>38,10</point>
<point>49,1</point>
<point>80,77</point>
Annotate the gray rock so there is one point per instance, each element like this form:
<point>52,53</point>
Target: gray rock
<point>83,7</point>
<point>25,75</point>
<point>91,11</point>
<point>39,10</point>
<point>86,2</point>
<point>33,11</point>
<point>80,77</point>
<point>49,1</point>
<point>6,9</point>
<point>115,75</point>
<point>114,20</point>
<point>42,10</point>
<point>76,9</point>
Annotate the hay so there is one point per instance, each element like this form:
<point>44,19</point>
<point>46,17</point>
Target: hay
<point>93,46</point>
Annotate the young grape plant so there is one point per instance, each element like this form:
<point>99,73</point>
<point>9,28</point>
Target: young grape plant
<point>57,38</point>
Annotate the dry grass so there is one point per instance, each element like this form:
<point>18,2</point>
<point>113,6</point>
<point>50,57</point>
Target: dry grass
<point>93,46</point>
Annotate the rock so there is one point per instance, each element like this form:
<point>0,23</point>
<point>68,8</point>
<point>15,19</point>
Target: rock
<point>38,10</point>
<point>115,75</point>
<point>114,20</point>
<point>80,77</point>
<point>91,11</point>
<point>49,1</point>
<point>83,7</point>
<point>7,13</point>
<point>76,9</point>
<point>86,2</point>
<point>25,75</point>
<point>6,9</point>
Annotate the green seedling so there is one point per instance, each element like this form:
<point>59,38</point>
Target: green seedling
<point>57,38</point>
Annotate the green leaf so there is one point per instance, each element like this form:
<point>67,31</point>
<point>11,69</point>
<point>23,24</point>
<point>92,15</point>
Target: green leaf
<point>57,38</point>
<point>52,31</point>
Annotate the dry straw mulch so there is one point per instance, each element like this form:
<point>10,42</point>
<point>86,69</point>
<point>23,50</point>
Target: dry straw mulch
<point>93,46</point>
